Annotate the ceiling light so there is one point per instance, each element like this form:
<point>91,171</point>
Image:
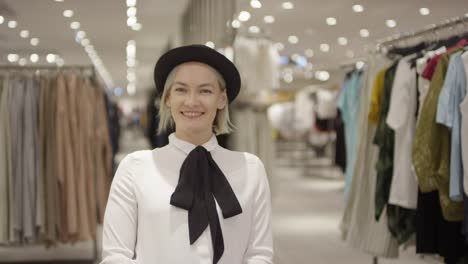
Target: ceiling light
<point>131,88</point>
<point>360,64</point>
<point>358,8</point>
<point>12,57</point>
<point>136,27</point>
<point>293,39</point>
<point>80,34</point>
<point>254,29</point>
<point>269,19</point>
<point>390,23</point>
<point>22,61</point>
<point>131,63</point>
<point>60,62</point>
<point>131,11</point>
<point>210,44</point>
<point>59,1</point>
<point>50,58</point>
<point>68,13</point>
<point>244,16</point>
<point>24,33</point>
<point>75,25</point>
<point>131,21</point>
<point>324,47</point>
<point>131,76</point>
<point>34,41</point>
<point>279,46</point>
<point>2,19</point>
<point>342,41</point>
<point>364,33</point>
<point>322,75</point>
<point>424,11</point>
<point>255,4</point>
<point>309,53</point>
<point>288,77</point>
<point>350,54</point>
<point>287,5</point>
<point>85,42</point>
<point>131,3</point>
<point>12,24</point>
<point>235,23</point>
<point>331,21</point>
<point>34,58</point>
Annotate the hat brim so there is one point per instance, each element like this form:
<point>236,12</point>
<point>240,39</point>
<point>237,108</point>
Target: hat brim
<point>198,53</point>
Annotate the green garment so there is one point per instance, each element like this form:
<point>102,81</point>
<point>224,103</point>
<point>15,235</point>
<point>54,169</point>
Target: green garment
<point>431,146</point>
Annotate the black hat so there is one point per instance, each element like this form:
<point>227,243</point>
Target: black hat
<point>198,53</point>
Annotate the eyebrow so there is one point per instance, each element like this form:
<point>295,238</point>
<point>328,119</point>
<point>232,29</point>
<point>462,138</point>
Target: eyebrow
<point>199,86</point>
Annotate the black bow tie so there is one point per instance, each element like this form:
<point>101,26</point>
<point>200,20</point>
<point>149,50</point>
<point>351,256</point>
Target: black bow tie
<point>201,179</point>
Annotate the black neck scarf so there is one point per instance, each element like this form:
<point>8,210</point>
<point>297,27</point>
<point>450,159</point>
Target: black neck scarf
<point>200,182</point>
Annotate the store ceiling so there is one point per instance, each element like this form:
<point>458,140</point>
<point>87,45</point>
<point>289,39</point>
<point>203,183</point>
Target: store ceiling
<point>105,24</point>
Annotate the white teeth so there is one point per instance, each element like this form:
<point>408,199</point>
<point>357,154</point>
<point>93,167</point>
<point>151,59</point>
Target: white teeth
<point>192,114</point>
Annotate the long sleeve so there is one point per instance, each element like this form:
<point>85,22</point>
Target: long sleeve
<point>120,218</point>
<point>260,247</point>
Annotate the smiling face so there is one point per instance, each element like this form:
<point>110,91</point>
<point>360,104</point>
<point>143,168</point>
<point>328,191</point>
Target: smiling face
<point>194,99</point>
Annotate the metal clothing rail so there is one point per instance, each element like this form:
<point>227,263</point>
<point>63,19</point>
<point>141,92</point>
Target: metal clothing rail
<point>429,29</point>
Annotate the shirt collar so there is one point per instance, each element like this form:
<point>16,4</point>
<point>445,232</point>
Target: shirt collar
<point>186,146</point>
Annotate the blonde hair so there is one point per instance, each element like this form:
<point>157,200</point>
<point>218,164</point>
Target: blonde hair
<point>221,124</point>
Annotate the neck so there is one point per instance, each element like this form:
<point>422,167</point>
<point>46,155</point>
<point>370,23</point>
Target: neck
<point>194,138</point>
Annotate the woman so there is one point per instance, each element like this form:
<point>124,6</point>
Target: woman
<point>190,201</point>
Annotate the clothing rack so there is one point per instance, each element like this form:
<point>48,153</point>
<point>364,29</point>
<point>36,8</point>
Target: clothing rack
<point>32,251</point>
<point>429,29</point>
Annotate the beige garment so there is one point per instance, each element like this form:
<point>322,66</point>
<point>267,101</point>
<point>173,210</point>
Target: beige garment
<point>87,113</point>
<point>102,151</point>
<point>80,164</point>
<point>5,163</point>
<point>41,213</point>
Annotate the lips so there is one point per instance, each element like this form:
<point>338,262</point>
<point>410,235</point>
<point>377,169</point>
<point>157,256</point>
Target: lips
<point>192,114</point>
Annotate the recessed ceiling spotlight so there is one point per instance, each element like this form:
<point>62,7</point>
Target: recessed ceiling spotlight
<point>255,4</point>
<point>342,41</point>
<point>13,57</point>
<point>254,29</point>
<point>364,33</point>
<point>131,21</point>
<point>424,11</point>
<point>131,11</point>
<point>50,58</point>
<point>360,64</point>
<point>236,23</point>
<point>136,26</point>
<point>85,42</point>
<point>331,21</point>
<point>210,44</point>
<point>390,23</point>
<point>269,19</point>
<point>131,3</point>
<point>22,61</point>
<point>34,41</point>
<point>34,58</point>
<point>75,25</point>
<point>358,8</point>
<point>293,39</point>
<point>68,13</point>
<point>2,19</point>
<point>309,53</point>
<point>80,34</point>
<point>287,5</point>
<point>324,47</point>
<point>24,33</point>
<point>244,16</point>
<point>59,1</point>
<point>12,24</point>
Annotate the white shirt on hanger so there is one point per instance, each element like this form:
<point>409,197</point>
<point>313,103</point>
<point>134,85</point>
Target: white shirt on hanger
<point>142,227</point>
<point>402,118</point>
<point>464,128</point>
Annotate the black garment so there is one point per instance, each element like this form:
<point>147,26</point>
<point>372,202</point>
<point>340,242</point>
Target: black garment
<point>340,148</point>
<point>435,235</point>
<point>200,181</point>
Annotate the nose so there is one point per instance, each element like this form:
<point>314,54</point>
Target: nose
<point>191,99</point>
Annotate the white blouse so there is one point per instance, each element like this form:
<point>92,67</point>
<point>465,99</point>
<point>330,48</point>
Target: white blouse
<point>141,226</point>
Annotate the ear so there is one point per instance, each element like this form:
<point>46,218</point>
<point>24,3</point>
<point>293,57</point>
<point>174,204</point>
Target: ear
<point>222,100</point>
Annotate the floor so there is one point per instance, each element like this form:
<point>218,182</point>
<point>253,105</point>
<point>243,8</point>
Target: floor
<point>307,208</point>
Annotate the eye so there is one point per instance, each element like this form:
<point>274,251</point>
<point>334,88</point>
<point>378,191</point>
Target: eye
<point>207,91</point>
<point>179,89</point>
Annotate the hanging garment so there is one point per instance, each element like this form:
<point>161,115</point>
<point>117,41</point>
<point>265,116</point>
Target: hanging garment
<point>431,147</point>
<point>358,225</point>
<point>376,97</point>
<point>448,114</point>
<point>348,103</point>
<point>401,118</point>
<point>464,128</point>
<point>5,162</point>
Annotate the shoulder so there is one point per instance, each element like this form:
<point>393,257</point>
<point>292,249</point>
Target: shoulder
<point>135,159</point>
<point>234,160</point>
